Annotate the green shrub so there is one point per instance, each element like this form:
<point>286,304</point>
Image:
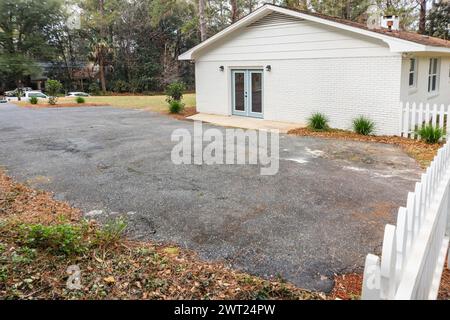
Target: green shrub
<point>318,122</point>
<point>94,89</point>
<point>33,100</point>
<point>175,90</point>
<point>176,106</point>
<point>80,100</point>
<point>111,232</point>
<point>120,86</point>
<point>363,125</point>
<point>53,88</point>
<point>430,134</point>
<point>61,238</point>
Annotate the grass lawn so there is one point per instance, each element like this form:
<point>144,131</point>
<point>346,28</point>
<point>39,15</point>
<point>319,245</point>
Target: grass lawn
<point>152,103</point>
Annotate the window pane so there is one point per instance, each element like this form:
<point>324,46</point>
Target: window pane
<point>435,62</point>
<point>411,79</point>
<point>434,83</point>
<point>412,65</point>
<point>256,92</point>
<point>239,102</point>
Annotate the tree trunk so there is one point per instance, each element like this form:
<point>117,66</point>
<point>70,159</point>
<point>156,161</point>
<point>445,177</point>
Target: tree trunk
<point>101,72</point>
<point>101,58</point>
<point>422,16</point>
<point>348,10</point>
<point>234,11</point>
<point>201,14</point>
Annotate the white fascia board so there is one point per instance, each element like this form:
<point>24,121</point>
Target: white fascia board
<point>437,49</point>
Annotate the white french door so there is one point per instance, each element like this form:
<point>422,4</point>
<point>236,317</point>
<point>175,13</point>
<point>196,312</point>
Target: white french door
<point>247,92</point>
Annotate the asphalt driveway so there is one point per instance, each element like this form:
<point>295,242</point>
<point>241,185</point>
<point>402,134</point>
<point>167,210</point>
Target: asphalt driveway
<point>320,215</point>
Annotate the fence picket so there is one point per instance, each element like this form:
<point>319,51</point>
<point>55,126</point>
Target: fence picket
<point>413,120</point>
<point>414,116</point>
<point>434,116</point>
<point>388,284</point>
<point>441,118</point>
<point>414,250</point>
<point>406,121</point>
<point>420,124</point>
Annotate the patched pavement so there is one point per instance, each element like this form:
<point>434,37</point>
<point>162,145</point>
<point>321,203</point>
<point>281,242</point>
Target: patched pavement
<point>320,215</point>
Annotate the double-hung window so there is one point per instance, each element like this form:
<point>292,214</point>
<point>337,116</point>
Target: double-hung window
<point>412,80</point>
<point>433,76</point>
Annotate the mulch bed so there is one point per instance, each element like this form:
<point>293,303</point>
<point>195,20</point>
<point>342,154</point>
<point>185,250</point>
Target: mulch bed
<point>349,286</point>
<point>421,151</point>
<point>118,270</point>
<point>187,112</point>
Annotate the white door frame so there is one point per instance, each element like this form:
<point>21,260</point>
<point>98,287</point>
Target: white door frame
<point>247,92</point>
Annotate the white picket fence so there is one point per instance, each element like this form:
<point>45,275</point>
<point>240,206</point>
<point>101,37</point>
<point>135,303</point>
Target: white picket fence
<point>415,115</point>
<point>413,252</point>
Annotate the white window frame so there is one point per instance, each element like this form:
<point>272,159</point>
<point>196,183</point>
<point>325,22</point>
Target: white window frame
<point>432,74</point>
<point>414,72</point>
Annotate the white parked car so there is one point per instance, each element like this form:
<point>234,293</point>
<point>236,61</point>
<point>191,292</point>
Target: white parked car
<point>77,94</point>
<point>37,94</point>
<point>27,95</point>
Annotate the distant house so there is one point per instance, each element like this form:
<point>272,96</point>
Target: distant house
<point>281,64</point>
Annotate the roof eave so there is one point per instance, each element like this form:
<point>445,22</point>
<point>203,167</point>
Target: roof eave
<point>395,44</point>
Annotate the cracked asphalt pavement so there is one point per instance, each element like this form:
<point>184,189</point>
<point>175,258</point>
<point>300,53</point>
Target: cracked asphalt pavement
<point>320,215</point>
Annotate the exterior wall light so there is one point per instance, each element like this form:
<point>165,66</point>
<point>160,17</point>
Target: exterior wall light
<point>221,68</point>
<point>268,67</point>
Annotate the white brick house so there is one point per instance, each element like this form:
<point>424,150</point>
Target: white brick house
<point>280,64</point>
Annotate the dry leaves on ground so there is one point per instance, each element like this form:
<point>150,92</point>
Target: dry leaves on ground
<point>120,269</point>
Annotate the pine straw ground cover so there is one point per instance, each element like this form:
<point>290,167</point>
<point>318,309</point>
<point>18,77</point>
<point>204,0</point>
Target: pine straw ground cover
<point>421,151</point>
<point>40,238</point>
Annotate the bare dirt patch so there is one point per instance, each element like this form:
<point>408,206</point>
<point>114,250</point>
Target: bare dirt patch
<point>119,269</point>
<point>422,152</point>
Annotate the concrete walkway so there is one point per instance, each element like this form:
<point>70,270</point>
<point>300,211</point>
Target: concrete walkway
<point>246,122</point>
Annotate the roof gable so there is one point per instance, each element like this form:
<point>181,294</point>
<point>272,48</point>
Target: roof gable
<point>398,41</point>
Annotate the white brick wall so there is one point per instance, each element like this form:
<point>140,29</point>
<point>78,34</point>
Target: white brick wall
<point>341,88</point>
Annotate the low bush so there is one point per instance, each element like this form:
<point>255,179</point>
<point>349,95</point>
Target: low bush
<point>121,86</point>
<point>80,100</point>
<point>318,122</point>
<point>94,89</point>
<point>111,232</point>
<point>363,125</point>
<point>33,100</point>
<point>53,88</point>
<point>176,106</point>
<point>175,91</point>
<point>67,239</point>
<point>430,134</point>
